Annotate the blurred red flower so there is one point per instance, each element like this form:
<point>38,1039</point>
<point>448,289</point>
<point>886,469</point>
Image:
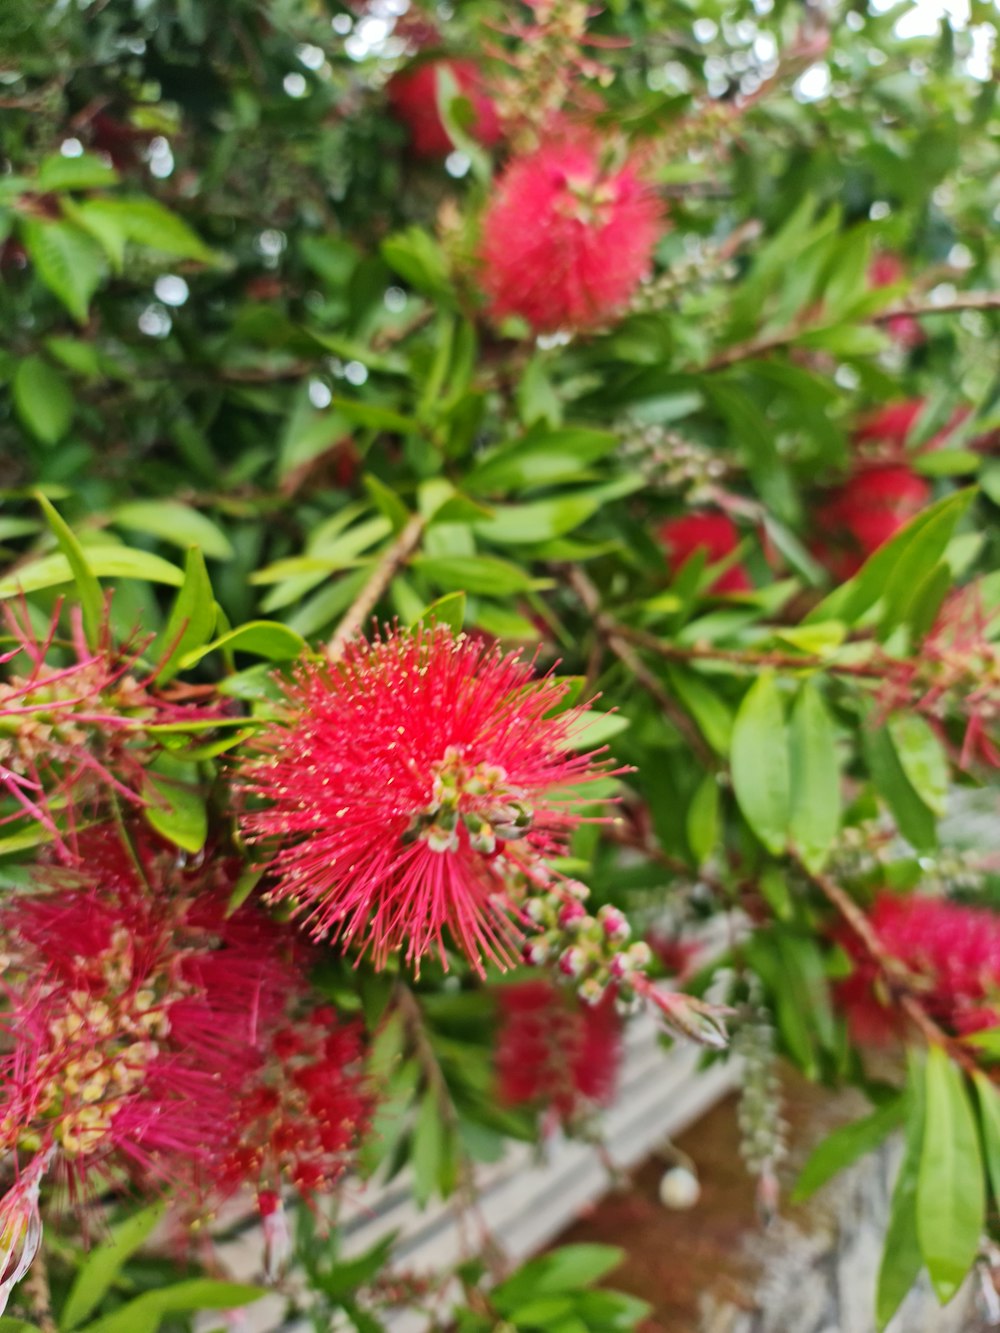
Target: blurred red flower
<point>413,97</point>
<point>711,532</point>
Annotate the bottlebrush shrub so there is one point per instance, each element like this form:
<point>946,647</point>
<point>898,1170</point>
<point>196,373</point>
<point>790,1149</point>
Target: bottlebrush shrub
<point>413,97</point>
<point>267,388</point>
<point>566,238</point>
<point>446,816</point>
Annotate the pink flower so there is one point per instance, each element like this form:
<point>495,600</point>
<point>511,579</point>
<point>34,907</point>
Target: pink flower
<point>73,735</point>
<point>713,533</point>
<point>555,1051</point>
<point>413,96</point>
<point>131,1003</point>
<point>951,951</point>
<point>416,785</point>
<point>566,239</point>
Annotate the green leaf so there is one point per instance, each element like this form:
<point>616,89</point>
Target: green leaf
<point>67,260</point>
<point>88,172</point>
<point>476,574</point>
<point>542,458</point>
<point>815,778</point>
<point>145,222</point>
<point>715,721</point>
<point>43,399</point>
<point>922,758</point>
<point>448,610</point>
<point>105,561</point>
<point>387,501</point>
<point>951,1202</point>
<point>593,729</point>
<point>703,819</point>
<point>515,525</point>
<point>760,763</point>
<point>262,638</point>
<point>914,819</point>
<point>102,1265</point>
<point>176,806</point>
<point>176,523</point>
<point>419,260</point>
<point>87,586</point>
<point>192,617</point>
<point>845,1145</point>
<point>901,1260</point>
<point>563,1270</point>
<point>989,1117</point>
<point>145,1313</point>
<point>428,1149</point>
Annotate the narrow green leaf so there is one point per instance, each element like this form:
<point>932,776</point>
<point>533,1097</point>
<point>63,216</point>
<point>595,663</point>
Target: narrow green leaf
<point>703,819</point>
<point>989,1110</point>
<point>913,818</point>
<point>845,1145</point>
<point>262,638</point>
<point>951,1202</point>
<point>563,1270</point>
<point>192,617</point>
<point>176,523</point>
<point>815,778</point>
<point>922,758</point>
<point>91,597</point>
<point>42,399</point>
<point>901,1259</point>
<point>67,260</point>
<point>448,610</point>
<point>176,806</point>
<point>106,561</point>
<point>102,1265</point>
<point>428,1149</point>
<point>760,763</point>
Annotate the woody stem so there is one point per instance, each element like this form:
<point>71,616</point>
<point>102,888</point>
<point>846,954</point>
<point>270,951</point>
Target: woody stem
<point>384,571</point>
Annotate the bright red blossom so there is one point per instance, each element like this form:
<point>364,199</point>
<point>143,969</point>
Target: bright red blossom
<point>860,516</point>
<point>132,1001</point>
<point>300,1112</point>
<point>556,1052</point>
<point>713,533</point>
<point>415,786</point>
<point>413,96</point>
<point>952,952</point>
<point>566,240</point>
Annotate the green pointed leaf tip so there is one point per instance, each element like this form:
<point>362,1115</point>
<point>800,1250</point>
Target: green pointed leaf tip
<point>760,763</point>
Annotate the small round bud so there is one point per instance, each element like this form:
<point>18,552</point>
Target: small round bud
<point>640,954</point>
<point>616,927</point>
<point>590,991</point>
<point>572,962</point>
<point>571,913</point>
<point>679,1188</point>
<point>535,952</point>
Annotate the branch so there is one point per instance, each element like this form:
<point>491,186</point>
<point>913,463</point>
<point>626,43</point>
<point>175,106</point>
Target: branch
<point>675,652</point>
<point>961,301</point>
<point>611,634</point>
<point>381,576</point>
<point>893,971</point>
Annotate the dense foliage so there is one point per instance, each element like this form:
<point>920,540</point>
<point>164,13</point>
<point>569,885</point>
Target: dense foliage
<point>400,406</point>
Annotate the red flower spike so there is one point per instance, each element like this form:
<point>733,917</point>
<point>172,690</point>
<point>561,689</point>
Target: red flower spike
<point>131,1002</point>
<point>886,270</point>
<point>952,953</point>
<point>554,1051</point>
<point>416,785</point>
<point>713,533</point>
<point>566,241</point>
<point>413,96</point>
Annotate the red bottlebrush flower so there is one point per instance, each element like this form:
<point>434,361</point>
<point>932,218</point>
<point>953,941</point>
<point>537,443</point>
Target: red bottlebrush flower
<point>556,1052</point>
<point>886,270</point>
<point>713,533</point>
<point>413,96</point>
<point>131,1003</point>
<point>300,1113</point>
<point>890,425</point>
<point>952,953</point>
<point>416,784</point>
<point>72,734</point>
<point>865,512</point>
<point>565,240</point>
